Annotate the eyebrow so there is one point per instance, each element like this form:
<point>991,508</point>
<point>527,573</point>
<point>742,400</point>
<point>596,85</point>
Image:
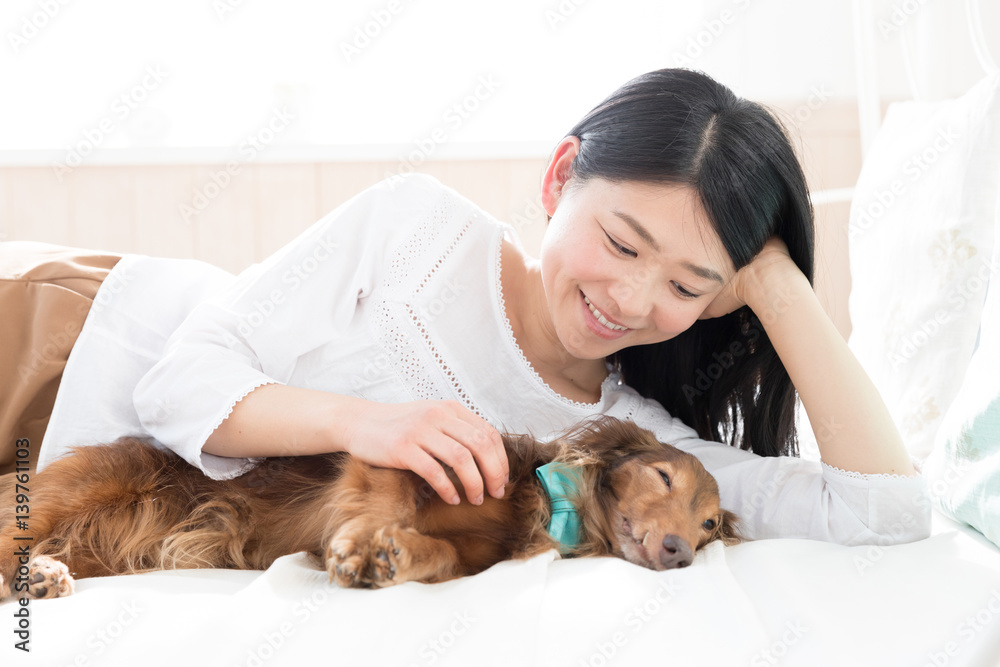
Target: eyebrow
<point>641,231</point>
<point>702,272</point>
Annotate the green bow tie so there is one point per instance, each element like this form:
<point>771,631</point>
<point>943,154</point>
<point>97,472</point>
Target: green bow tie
<point>559,481</point>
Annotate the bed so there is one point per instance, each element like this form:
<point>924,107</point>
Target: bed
<point>770,602</point>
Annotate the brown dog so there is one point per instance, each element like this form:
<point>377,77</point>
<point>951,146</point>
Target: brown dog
<point>131,508</point>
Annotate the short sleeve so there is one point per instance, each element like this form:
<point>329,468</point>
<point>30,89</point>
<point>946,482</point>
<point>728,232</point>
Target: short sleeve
<point>786,496</point>
<point>298,299</point>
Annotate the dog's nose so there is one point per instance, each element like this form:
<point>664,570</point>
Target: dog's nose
<point>675,553</point>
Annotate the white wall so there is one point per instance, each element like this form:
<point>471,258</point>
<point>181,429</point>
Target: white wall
<point>75,74</point>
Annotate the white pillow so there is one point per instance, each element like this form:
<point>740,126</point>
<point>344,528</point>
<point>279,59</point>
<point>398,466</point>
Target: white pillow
<point>963,471</point>
<point>921,240</point>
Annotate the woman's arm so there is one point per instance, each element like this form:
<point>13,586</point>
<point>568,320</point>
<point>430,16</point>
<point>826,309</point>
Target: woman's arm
<point>219,388</point>
<point>277,420</point>
<point>853,427</point>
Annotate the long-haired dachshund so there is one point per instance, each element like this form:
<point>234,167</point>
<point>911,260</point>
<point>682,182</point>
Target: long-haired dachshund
<point>611,489</point>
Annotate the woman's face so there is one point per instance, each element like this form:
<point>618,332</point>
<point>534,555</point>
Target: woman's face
<point>644,257</point>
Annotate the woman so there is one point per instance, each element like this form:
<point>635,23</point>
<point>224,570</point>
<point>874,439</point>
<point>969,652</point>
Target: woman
<point>407,326</point>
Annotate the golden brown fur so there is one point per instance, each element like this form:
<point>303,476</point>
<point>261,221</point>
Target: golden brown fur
<point>130,508</point>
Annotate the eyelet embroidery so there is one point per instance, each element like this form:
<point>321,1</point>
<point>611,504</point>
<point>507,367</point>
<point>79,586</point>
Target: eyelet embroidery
<point>409,358</point>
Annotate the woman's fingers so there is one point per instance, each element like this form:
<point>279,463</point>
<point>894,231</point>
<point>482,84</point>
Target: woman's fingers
<point>475,452</point>
<point>484,443</point>
<point>441,448</point>
<point>423,435</point>
<point>433,473</point>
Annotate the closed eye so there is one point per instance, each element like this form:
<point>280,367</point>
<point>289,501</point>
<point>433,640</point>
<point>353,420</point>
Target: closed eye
<point>683,292</point>
<point>665,477</point>
<point>622,250</point>
<point>619,248</point>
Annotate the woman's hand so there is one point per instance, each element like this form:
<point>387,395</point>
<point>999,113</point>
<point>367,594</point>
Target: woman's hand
<point>854,429</point>
<point>421,435</point>
<point>755,283</point>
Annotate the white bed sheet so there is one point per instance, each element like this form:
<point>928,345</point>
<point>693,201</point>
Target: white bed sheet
<point>770,602</point>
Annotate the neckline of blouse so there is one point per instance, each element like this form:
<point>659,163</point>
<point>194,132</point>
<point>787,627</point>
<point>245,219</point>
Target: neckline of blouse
<point>610,383</point>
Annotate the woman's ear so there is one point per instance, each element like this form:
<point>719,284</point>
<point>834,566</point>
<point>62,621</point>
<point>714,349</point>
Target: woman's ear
<point>558,173</point>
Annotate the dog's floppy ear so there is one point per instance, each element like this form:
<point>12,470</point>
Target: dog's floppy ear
<point>729,528</point>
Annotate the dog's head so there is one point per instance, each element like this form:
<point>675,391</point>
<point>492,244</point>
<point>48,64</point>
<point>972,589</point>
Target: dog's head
<point>649,502</point>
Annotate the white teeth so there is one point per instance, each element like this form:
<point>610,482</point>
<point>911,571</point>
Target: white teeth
<point>603,320</point>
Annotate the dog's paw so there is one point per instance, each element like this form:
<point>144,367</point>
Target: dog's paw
<point>389,551</point>
<point>401,554</point>
<point>48,578</point>
<point>347,563</point>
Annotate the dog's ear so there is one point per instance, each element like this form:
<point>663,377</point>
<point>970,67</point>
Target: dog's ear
<point>729,528</point>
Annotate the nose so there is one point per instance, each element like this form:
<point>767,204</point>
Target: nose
<point>634,294</point>
<point>675,553</point>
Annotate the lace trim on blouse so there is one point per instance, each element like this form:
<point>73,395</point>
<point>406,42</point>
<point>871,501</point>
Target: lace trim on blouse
<point>865,476</point>
<point>239,398</point>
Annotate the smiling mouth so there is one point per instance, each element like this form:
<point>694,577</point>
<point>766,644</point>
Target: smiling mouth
<point>603,320</point>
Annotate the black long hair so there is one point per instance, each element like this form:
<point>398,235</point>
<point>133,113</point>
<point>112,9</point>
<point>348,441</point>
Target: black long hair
<point>721,376</point>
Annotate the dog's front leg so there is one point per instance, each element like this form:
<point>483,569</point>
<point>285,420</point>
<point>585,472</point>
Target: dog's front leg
<point>364,500</point>
<point>348,556</point>
<point>372,537</point>
<point>402,554</point>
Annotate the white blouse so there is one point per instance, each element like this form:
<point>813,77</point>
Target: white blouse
<point>396,296</point>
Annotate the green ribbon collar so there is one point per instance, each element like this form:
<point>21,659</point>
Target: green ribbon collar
<point>559,481</point>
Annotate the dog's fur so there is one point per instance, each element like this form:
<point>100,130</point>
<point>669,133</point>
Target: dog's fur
<point>131,508</point>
